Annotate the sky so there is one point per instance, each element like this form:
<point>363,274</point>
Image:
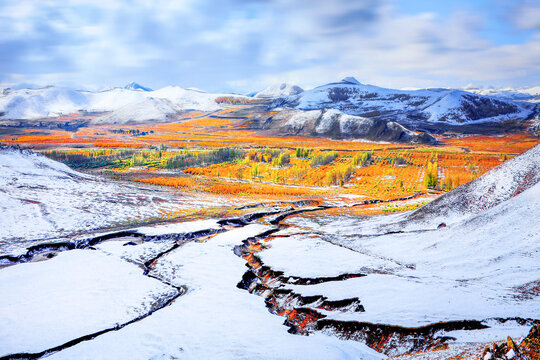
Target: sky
<point>246,45</point>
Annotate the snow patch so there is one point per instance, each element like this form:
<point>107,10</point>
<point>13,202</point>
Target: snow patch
<point>49,303</point>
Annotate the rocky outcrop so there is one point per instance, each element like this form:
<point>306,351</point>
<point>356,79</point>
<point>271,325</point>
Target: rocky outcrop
<point>529,348</point>
<point>335,124</point>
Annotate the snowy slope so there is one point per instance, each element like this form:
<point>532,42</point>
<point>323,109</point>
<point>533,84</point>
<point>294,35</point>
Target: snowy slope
<point>481,267</point>
<point>279,90</point>
<point>37,103</point>
<point>53,101</point>
<point>49,303</point>
<point>427,105</point>
<point>188,99</point>
<point>213,319</point>
<point>484,265</point>
<point>113,99</point>
<point>336,124</point>
<point>41,198</point>
<point>146,109</point>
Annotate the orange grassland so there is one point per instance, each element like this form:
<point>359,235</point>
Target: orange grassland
<point>395,170</point>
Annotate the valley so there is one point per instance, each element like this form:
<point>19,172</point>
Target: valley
<point>225,224</point>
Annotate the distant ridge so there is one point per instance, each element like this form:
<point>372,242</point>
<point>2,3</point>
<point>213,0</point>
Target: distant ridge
<point>134,86</point>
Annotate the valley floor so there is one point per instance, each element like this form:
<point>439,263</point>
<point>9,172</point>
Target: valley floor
<point>182,290</point>
<point>92,268</point>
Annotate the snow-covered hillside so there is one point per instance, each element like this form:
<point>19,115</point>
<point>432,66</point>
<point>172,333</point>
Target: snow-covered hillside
<point>138,111</point>
<point>336,124</point>
<point>279,90</point>
<point>524,94</point>
<point>52,295</point>
<point>123,102</point>
<point>483,265</point>
<point>447,106</point>
<point>41,198</point>
<point>104,297</point>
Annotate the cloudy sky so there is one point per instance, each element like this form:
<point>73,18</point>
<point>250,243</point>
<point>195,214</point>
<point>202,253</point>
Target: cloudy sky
<point>244,45</point>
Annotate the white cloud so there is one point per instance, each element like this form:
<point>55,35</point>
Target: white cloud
<point>247,44</point>
<point>527,14</point>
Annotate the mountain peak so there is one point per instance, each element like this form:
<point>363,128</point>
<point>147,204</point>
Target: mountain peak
<point>351,80</point>
<point>134,86</point>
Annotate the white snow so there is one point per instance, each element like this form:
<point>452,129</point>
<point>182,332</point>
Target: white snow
<point>279,90</point>
<point>310,256</point>
<point>112,99</point>
<point>214,319</point>
<point>352,97</point>
<point>139,253</point>
<point>145,109</point>
<point>49,303</point>
<point>126,104</point>
<point>300,118</point>
<point>179,228</point>
<point>188,99</point>
<point>41,198</point>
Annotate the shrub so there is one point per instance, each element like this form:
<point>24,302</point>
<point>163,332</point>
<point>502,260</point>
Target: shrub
<point>323,159</point>
<point>302,153</point>
<point>431,177</point>
<point>189,159</point>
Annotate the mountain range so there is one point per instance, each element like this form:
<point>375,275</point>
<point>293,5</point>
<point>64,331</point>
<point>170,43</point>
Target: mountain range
<point>343,109</point>
<point>410,107</point>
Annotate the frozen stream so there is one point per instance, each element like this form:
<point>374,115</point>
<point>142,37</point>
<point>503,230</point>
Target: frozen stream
<point>179,291</point>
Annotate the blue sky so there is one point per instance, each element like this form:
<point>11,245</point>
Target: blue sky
<point>244,45</point>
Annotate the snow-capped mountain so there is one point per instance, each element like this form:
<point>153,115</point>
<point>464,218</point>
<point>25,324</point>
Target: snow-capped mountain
<point>448,106</point>
<point>141,110</point>
<point>134,86</point>
<point>279,90</point>
<point>37,103</point>
<point>523,94</point>
<point>412,108</point>
<point>335,124</point>
<point>54,101</point>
